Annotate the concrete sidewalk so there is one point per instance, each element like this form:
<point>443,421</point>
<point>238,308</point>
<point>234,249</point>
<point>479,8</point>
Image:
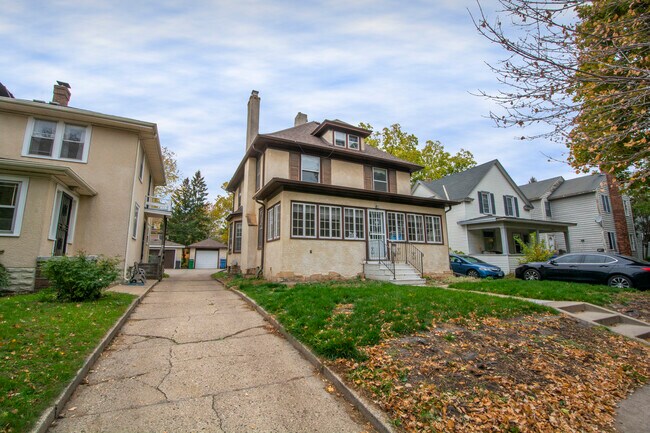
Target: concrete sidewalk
<point>194,357</point>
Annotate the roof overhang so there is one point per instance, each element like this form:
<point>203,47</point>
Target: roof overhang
<point>333,124</point>
<point>147,132</point>
<point>63,174</point>
<point>233,215</point>
<point>541,225</point>
<point>277,185</point>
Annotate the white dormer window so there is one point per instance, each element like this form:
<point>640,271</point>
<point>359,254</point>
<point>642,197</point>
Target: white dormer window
<point>340,138</point>
<point>56,140</point>
<point>353,142</point>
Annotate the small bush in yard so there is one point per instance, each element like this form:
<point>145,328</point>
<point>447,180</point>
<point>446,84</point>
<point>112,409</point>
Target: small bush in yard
<point>80,278</point>
<point>534,251</point>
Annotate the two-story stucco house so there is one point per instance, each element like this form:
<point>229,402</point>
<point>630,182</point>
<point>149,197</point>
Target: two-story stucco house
<point>73,180</point>
<point>492,212</point>
<point>603,217</point>
<point>315,201</point>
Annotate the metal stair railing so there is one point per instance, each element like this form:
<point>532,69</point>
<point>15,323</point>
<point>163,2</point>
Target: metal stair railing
<point>405,252</point>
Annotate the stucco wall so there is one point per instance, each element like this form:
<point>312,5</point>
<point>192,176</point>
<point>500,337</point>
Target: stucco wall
<point>348,174</point>
<point>276,164</point>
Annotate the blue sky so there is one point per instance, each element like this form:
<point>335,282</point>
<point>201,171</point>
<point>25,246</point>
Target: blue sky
<point>190,68</point>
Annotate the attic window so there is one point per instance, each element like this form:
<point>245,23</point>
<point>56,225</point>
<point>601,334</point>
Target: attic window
<point>341,139</point>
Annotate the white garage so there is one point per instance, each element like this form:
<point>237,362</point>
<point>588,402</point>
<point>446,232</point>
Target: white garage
<point>207,259</point>
<point>207,254</point>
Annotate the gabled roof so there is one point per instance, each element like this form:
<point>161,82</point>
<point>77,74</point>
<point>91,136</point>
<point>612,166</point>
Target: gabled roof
<point>459,186</point>
<point>578,186</point>
<point>535,190</point>
<point>207,244</point>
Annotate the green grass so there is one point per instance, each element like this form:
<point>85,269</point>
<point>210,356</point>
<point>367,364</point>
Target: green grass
<point>42,345</point>
<point>545,289</point>
<point>369,311</point>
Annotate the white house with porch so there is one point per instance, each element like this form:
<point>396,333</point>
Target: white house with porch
<point>492,212</point>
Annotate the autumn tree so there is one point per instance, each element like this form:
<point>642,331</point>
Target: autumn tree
<point>218,212</point>
<point>582,68</point>
<point>189,221</point>
<point>172,174</point>
<point>432,156</point>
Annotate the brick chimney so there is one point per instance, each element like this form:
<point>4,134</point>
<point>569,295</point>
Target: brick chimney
<point>253,121</point>
<point>618,213</point>
<point>62,93</point>
<point>301,119</point>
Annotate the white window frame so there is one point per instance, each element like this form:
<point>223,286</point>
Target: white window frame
<point>58,140</point>
<point>375,181</point>
<point>20,204</point>
<point>238,235</point>
<point>547,209</point>
<point>136,220</point>
<point>330,230</point>
<point>436,228</point>
<point>627,207</point>
<point>358,142</point>
<point>56,209</point>
<point>486,198</point>
<point>141,168</point>
<point>418,225</point>
<point>302,228</point>
<point>273,223</point>
<point>510,205</point>
<point>632,237</point>
<point>302,167</point>
<point>611,241</point>
<point>345,139</point>
<point>396,226</point>
<point>358,217</point>
<point>607,204</point>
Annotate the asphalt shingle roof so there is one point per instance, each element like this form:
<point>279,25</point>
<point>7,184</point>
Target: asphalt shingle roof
<point>459,185</point>
<point>535,190</point>
<point>577,186</point>
<point>207,244</point>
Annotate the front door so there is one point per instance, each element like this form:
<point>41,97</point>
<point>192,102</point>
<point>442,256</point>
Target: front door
<point>376,234</point>
<point>63,225</point>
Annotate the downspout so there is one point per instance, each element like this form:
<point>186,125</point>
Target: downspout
<point>263,236</point>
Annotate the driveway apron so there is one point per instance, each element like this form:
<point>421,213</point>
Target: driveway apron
<point>194,357</point>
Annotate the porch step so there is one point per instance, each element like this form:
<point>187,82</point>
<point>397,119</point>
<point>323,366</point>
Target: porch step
<point>404,274</point>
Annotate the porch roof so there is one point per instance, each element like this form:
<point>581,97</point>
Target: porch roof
<point>542,225</point>
<point>64,174</point>
<point>277,185</point>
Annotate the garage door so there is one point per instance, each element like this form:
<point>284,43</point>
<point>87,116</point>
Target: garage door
<point>206,259</point>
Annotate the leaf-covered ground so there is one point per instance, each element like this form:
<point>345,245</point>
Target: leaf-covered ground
<point>539,373</point>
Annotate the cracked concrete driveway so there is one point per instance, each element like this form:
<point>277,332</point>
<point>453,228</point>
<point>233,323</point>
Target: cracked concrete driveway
<point>194,357</point>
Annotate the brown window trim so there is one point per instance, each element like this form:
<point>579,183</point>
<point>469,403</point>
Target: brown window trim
<point>347,140</point>
<point>442,231</point>
<point>341,222</point>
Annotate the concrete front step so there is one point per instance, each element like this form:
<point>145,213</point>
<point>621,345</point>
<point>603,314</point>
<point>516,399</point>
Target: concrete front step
<point>404,274</point>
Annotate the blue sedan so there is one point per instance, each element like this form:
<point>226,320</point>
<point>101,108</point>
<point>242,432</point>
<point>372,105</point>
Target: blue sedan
<point>473,267</point>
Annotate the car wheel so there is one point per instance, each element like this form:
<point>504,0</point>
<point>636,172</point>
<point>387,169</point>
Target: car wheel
<point>532,274</point>
<point>472,273</point>
<point>619,281</point>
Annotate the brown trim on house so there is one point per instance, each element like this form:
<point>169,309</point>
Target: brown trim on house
<point>392,180</point>
<point>326,170</point>
<point>367,177</point>
<point>277,185</point>
<point>294,165</point>
<point>237,213</point>
<point>332,124</point>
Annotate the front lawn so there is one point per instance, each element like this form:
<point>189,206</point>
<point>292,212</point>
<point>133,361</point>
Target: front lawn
<point>336,319</point>
<point>42,345</point>
<point>546,290</point>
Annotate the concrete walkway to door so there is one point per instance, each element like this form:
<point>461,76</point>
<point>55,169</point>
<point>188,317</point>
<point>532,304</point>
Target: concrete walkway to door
<point>194,357</point>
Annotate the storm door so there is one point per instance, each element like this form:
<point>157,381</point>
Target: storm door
<point>63,225</point>
<point>376,234</point>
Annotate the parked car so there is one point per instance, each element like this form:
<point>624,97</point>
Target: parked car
<point>601,268</point>
<point>473,267</point>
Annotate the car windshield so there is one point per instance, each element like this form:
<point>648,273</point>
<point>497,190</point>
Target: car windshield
<point>471,259</point>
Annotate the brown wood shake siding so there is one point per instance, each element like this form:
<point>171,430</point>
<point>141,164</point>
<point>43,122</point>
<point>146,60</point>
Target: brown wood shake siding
<point>326,170</point>
<point>294,166</point>
<point>392,181</point>
<point>367,177</point>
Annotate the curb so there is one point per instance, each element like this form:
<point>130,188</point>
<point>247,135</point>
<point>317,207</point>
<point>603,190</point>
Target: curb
<point>373,415</point>
<point>50,414</point>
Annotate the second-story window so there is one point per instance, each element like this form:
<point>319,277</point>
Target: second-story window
<point>511,205</point>
<point>379,179</point>
<point>486,202</point>
<point>607,207</point>
<point>141,173</point>
<point>56,140</point>
<point>547,208</point>
<point>627,207</point>
<point>310,168</point>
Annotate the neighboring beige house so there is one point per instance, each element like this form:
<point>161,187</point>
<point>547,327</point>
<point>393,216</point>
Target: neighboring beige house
<point>73,180</point>
<point>491,212</point>
<point>603,217</point>
<point>315,201</point>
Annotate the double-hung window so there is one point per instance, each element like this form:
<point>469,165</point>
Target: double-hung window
<point>237,241</point>
<point>260,228</point>
<point>380,179</point>
<point>511,205</point>
<point>303,220</point>
<point>354,224</point>
<point>627,207</point>
<point>141,171</point>
<point>340,138</point>
<point>273,223</point>
<point>611,240</point>
<point>396,226</point>
<point>56,140</point>
<point>310,168</point>
<point>13,192</point>
<point>415,227</point>
<point>632,241</point>
<point>486,202</point>
<point>607,207</point>
<point>547,207</point>
<point>353,142</point>
<point>330,222</point>
<point>434,228</point>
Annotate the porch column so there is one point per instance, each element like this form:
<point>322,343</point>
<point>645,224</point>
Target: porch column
<point>504,240</point>
<point>567,241</point>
